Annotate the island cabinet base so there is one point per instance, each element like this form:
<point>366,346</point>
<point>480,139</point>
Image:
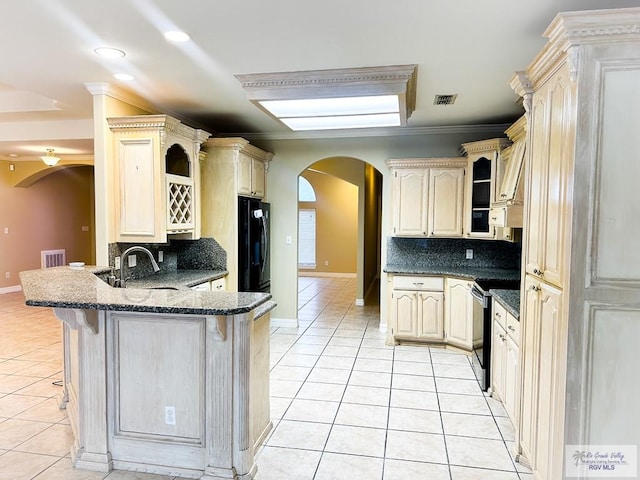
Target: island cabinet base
<point>181,395</point>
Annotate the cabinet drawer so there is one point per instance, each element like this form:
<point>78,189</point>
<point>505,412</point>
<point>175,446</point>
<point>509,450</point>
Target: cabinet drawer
<point>513,328</point>
<point>218,285</point>
<point>417,282</point>
<point>204,287</point>
<point>500,314</point>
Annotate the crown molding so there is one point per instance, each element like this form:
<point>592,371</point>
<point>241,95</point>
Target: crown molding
<point>446,162</point>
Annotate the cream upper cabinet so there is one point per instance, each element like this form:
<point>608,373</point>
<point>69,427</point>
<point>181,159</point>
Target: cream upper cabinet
<point>553,131</point>
<point>508,208</point>
<point>156,179</point>
<point>446,195</point>
<point>458,318</point>
<point>410,198</point>
<point>251,176</point>
<point>483,159</point>
<point>428,197</point>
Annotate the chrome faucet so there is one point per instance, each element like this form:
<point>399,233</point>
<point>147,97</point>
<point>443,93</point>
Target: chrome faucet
<point>123,257</point>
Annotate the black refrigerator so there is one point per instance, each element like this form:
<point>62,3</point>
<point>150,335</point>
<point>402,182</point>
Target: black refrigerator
<point>253,245</point>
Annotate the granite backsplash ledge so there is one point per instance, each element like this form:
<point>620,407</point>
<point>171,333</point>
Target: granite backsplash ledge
<point>451,252</point>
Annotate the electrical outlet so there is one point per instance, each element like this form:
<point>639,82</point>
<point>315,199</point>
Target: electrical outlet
<point>6,230</point>
<point>116,263</point>
<point>85,228</point>
<point>469,253</point>
<point>170,415</point>
<point>326,263</point>
<point>7,275</point>
<point>132,260</point>
<point>160,256</point>
<point>288,240</point>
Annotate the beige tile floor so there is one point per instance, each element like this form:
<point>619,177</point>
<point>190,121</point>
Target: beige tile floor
<point>344,405</point>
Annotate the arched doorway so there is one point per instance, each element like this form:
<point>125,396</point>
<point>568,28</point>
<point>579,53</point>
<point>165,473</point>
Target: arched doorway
<point>339,227</point>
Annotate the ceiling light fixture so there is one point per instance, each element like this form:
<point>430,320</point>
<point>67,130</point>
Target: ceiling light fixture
<point>335,99</point>
<point>109,52</point>
<point>177,36</point>
<point>50,158</point>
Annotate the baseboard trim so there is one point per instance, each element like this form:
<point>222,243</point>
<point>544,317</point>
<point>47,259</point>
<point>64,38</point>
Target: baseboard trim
<point>326,274</point>
<point>284,322</point>
<point>12,289</point>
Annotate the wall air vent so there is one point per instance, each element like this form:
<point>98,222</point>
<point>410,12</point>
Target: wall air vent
<point>52,258</point>
<point>445,99</point>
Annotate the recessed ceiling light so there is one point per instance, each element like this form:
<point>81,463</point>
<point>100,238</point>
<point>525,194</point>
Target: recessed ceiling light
<point>124,76</point>
<point>176,36</point>
<point>109,52</point>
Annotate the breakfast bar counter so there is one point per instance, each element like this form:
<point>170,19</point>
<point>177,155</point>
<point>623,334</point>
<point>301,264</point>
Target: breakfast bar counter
<point>157,380</point>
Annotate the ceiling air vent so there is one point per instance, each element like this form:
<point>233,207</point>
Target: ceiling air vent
<point>444,99</point>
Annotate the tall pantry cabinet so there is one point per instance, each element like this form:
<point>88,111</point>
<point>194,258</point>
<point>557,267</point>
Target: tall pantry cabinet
<point>581,267</point>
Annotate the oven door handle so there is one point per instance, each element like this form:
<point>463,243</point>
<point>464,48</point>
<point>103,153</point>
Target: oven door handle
<point>479,296</point>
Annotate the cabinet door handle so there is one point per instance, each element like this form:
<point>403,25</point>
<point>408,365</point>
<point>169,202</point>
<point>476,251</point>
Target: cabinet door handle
<point>417,284</point>
<point>502,195</point>
<point>511,328</point>
<point>494,218</point>
<point>535,288</point>
<point>498,315</point>
<point>540,273</point>
<point>501,337</point>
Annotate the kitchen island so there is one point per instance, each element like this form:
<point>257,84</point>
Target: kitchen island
<point>165,381</point>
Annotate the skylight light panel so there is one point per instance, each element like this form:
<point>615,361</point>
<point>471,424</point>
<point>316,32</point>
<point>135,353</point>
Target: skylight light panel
<point>318,107</point>
<point>345,121</point>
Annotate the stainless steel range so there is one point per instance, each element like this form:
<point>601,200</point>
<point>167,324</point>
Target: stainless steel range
<point>482,322</point>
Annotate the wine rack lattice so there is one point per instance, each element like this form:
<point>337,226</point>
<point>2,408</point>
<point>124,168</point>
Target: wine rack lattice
<point>180,197</point>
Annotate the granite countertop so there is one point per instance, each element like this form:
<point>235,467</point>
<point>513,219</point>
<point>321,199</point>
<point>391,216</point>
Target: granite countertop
<point>509,299</point>
<point>471,273</point>
<point>67,287</point>
<point>181,279</point>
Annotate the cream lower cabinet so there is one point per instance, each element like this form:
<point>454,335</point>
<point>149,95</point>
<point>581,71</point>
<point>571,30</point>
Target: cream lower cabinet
<point>505,361</point>
<point>459,311</point>
<point>417,308</point>
<point>542,412</point>
<point>217,285</point>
